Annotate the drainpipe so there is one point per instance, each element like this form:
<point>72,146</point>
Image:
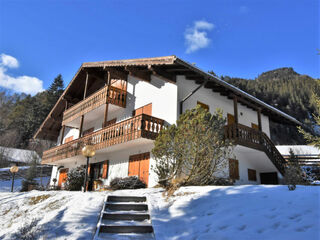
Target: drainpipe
<point>190,94</point>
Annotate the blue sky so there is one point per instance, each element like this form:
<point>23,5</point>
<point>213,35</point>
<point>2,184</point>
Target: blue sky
<point>235,38</point>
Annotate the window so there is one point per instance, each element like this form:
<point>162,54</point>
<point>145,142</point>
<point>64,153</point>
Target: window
<point>230,119</point>
<point>205,106</point>
<point>146,109</point>
<point>234,169</point>
<point>252,175</point>
<point>90,130</point>
<point>110,122</point>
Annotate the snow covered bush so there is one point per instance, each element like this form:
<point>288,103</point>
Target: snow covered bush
<point>75,179</point>
<point>132,182</point>
<point>193,151</point>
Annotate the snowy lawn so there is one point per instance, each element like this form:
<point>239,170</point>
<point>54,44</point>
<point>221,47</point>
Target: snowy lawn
<point>235,212</point>
<point>57,214</point>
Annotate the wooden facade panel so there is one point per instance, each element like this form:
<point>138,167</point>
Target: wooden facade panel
<point>68,139</point>
<point>147,109</point>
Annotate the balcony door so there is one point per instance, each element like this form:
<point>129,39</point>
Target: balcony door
<point>139,166</point>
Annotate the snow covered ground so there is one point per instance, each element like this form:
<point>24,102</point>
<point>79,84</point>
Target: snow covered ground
<point>211,212</point>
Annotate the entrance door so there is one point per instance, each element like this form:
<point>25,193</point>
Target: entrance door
<point>139,166</point>
<point>63,177</point>
<point>269,178</point>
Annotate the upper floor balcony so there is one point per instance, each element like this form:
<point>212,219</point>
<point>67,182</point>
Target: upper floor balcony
<point>115,96</point>
<point>141,126</point>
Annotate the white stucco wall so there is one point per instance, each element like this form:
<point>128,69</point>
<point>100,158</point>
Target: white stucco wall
<point>214,100</point>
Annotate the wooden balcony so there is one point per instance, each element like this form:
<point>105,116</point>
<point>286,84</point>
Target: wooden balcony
<point>116,96</point>
<point>256,139</point>
<point>141,126</point>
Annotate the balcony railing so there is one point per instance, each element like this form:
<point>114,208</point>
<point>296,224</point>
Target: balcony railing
<point>256,139</point>
<point>116,96</point>
<point>141,126</point>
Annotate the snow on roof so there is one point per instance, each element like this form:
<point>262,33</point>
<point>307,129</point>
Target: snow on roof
<point>304,150</point>
<point>18,155</point>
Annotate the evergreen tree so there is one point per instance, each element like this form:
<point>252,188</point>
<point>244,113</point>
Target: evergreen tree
<point>192,151</point>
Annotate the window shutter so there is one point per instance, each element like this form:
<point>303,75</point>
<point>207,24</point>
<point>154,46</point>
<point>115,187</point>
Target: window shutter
<point>105,169</point>
<point>234,169</point>
<point>89,167</point>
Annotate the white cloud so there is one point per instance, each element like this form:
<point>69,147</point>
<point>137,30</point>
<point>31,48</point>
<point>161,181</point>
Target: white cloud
<point>196,36</point>
<point>26,84</point>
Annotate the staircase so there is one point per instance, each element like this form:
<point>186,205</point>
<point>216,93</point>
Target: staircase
<point>256,139</point>
<point>125,217</point>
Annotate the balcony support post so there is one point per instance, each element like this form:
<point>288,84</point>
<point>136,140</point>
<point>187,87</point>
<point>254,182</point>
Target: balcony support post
<point>235,112</point>
<point>81,125</point>
<point>62,134</point>
<point>86,86</point>
<point>259,119</point>
<point>107,100</point>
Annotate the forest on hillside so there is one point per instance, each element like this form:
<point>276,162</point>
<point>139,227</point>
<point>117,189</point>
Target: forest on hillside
<point>288,91</point>
<point>21,114</point>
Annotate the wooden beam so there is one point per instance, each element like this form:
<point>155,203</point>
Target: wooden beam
<point>144,75</point>
<point>50,132</point>
<point>235,109</point>
<point>162,74</point>
<point>86,86</point>
<point>116,73</point>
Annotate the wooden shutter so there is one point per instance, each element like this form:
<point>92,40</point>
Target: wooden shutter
<point>234,169</point>
<point>205,106</point>
<point>252,175</point>
<point>105,169</point>
<point>230,118</point>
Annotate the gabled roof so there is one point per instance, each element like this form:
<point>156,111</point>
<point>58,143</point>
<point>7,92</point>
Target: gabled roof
<point>166,67</point>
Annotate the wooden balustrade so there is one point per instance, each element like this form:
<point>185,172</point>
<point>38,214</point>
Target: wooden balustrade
<point>141,126</point>
<point>115,96</point>
<point>256,139</point>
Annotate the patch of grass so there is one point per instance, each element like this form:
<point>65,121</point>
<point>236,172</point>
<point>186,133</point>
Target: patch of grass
<point>183,194</point>
<point>6,211</point>
<point>35,200</point>
<point>55,204</point>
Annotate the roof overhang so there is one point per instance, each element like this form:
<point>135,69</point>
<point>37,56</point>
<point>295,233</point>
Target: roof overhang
<point>165,67</point>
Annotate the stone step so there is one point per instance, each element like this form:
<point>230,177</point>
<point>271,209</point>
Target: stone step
<point>126,229</point>
<point>126,199</point>
<point>133,217</point>
<point>125,222</point>
<point>126,207</point>
<point>127,236</point>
